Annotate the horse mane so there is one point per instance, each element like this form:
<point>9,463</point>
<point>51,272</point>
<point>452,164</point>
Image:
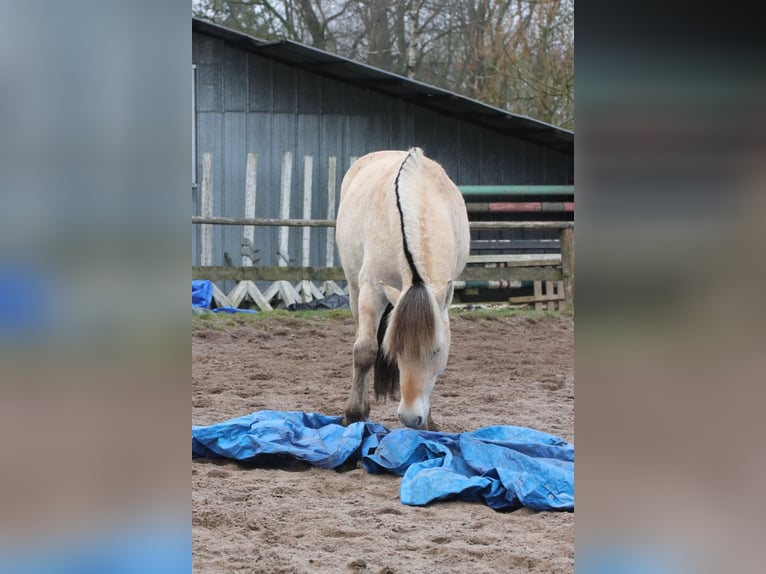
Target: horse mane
<point>412,329</point>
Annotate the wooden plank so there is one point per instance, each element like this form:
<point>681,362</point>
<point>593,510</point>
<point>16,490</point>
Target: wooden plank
<point>308,166</point>
<point>257,297</point>
<point>220,298</point>
<point>248,289</point>
<point>493,284</point>
<point>260,143</point>
<point>511,274</point>
<point>288,293</point>
<point>566,239</point>
<point>229,198</point>
<point>331,288</point>
<point>530,273</point>
<point>308,144</point>
<point>238,294</point>
<point>538,295</point>
<point>549,291</point>
<point>331,183</point>
<point>519,244</point>
<point>308,291</point>
<point>535,299</point>
<point>331,222</point>
<point>271,291</point>
<point>304,291</point>
<point>206,208</point>
<point>268,273</point>
<point>194,121</point>
<point>517,259</point>
<point>248,234</point>
<point>258,222</point>
<point>283,251</point>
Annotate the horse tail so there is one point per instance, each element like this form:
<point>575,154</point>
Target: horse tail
<point>412,327</point>
<point>386,369</point>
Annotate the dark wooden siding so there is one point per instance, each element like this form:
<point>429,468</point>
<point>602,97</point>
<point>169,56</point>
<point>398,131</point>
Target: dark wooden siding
<point>246,103</point>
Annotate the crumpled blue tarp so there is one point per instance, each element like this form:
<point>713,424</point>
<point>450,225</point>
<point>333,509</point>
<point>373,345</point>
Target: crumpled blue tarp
<point>202,297</point>
<point>202,293</point>
<point>505,467</point>
<point>264,436</point>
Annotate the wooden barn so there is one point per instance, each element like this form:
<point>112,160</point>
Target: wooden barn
<point>277,124</point>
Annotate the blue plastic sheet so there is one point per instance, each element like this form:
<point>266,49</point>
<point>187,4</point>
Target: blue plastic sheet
<point>264,436</point>
<point>27,303</point>
<point>232,310</point>
<point>146,546</point>
<point>202,297</point>
<point>202,293</point>
<point>505,467</point>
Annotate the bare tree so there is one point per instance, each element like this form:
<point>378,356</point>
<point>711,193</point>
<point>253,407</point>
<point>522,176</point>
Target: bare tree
<point>514,54</point>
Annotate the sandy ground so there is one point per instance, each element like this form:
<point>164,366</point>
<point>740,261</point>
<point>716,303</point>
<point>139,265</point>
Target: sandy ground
<point>516,370</point>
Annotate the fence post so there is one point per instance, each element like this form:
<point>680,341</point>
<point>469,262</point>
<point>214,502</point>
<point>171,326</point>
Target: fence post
<point>306,289</point>
<point>331,179</point>
<point>283,252</point>
<point>206,210</point>
<point>248,235</point>
<point>566,241</point>
<point>308,166</point>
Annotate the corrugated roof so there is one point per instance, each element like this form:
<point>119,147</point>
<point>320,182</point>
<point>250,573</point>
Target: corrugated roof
<point>358,74</point>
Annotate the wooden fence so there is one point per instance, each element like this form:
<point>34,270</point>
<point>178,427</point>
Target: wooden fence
<point>552,274</point>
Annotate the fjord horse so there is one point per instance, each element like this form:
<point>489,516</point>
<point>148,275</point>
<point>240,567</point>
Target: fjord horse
<point>403,238</point>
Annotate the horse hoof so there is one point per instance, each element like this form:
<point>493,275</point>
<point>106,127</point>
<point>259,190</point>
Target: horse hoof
<point>349,418</point>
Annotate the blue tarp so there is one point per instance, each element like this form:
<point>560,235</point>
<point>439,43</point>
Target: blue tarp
<point>202,297</point>
<point>202,293</point>
<point>505,467</point>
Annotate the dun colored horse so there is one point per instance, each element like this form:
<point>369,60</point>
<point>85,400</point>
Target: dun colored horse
<point>403,237</point>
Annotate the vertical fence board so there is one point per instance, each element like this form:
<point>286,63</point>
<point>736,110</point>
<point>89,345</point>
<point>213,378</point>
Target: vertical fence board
<point>248,234</point>
<point>331,182</point>
<point>566,241</point>
<point>308,167</point>
<point>550,305</point>
<point>538,291</point>
<point>284,213</point>
<point>206,209</point>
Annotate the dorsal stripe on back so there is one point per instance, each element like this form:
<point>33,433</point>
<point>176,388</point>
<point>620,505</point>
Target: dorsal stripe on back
<point>416,277</point>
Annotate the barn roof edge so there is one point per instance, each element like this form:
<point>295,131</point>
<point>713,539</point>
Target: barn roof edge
<point>356,73</point>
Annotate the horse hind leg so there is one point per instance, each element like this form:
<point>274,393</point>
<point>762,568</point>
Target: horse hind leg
<point>365,351</point>
<point>386,369</point>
